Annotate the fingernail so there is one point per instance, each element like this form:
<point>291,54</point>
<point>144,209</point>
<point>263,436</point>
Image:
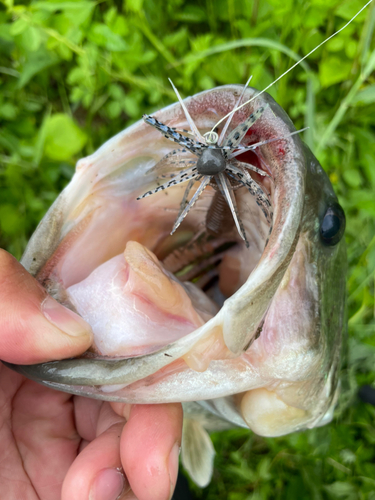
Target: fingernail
<point>65,319</point>
<point>108,485</point>
<point>173,467</point>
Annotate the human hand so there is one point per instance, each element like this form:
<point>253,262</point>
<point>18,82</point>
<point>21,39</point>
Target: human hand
<point>55,446</point>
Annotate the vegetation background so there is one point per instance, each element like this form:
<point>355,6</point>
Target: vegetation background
<point>74,73</point>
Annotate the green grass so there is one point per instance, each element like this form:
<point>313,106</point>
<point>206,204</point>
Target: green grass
<point>74,73</point>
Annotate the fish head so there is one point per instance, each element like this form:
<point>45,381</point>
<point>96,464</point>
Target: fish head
<point>258,345</point>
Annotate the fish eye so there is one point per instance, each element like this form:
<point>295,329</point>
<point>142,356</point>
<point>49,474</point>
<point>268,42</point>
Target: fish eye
<point>333,225</point>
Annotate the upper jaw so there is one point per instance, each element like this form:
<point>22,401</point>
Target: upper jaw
<point>104,188</point>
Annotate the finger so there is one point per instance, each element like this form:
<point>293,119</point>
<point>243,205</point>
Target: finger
<point>96,472</point>
<point>122,409</point>
<point>86,414</point>
<point>47,442</point>
<point>33,326</point>
<point>150,446</point>
<point>83,445</point>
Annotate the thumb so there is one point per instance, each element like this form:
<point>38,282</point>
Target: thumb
<point>34,327</point>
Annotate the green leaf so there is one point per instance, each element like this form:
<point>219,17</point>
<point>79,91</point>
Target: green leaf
<point>365,96</point>
<point>8,111</point>
<point>32,38</point>
<point>349,8</point>
<point>18,27</point>
<point>191,14</point>
<point>10,221</point>
<point>102,35</point>
<point>341,490</point>
<point>63,138</point>
<point>76,12</point>
<point>352,177</point>
<point>37,62</point>
<point>114,109</point>
<point>134,5</point>
<point>224,69</point>
<point>333,70</point>
<point>131,107</point>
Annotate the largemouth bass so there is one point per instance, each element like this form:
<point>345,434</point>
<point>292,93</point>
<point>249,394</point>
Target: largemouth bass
<point>242,336</point>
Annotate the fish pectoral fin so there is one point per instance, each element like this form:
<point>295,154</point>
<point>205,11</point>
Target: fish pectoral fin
<point>197,452</point>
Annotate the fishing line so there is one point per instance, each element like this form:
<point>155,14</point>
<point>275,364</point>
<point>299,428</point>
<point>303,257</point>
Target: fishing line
<point>290,69</point>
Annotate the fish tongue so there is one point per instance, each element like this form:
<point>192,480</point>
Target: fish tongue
<point>133,305</point>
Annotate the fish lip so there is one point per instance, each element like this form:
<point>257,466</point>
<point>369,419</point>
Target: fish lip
<point>251,301</point>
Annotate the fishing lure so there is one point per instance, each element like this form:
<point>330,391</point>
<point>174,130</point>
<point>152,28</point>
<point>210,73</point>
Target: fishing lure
<point>214,164</point>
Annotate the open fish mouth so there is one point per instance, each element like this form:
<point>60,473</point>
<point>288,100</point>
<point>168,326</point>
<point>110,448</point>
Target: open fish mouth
<point>197,315</point>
